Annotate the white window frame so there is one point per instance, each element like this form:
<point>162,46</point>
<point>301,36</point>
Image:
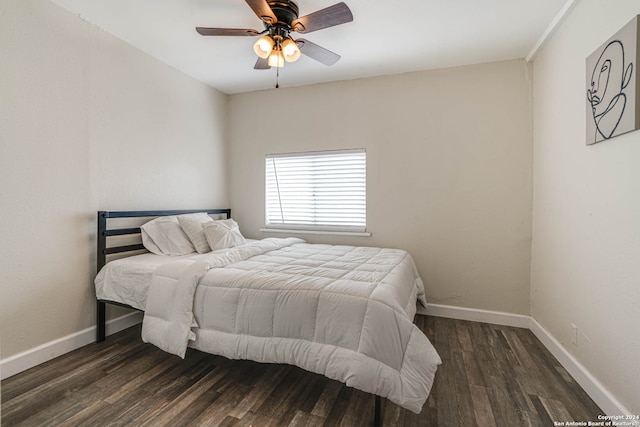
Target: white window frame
<point>276,191</point>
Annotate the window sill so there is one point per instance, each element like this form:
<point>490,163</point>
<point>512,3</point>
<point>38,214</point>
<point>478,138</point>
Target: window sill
<point>320,232</point>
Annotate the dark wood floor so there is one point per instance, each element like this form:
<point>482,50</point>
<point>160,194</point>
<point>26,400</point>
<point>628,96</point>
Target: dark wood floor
<point>491,376</point>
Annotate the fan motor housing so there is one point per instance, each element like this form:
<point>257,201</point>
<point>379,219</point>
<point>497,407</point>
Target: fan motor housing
<point>285,10</point>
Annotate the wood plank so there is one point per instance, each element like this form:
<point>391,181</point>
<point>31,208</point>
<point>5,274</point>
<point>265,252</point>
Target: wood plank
<point>472,369</point>
<point>335,416</point>
<point>360,410</point>
<point>503,407</point>
<point>463,335</point>
<point>268,381</point>
<point>464,403</point>
<point>557,411</point>
<point>303,419</point>
<point>445,389</point>
<point>302,395</point>
<point>183,407</point>
<point>325,402</point>
<point>543,414</point>
<point>392,414</point>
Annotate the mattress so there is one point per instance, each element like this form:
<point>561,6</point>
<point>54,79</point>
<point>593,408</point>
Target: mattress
<point>127,280</point>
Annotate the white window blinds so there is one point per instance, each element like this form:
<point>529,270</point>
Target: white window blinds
<point>317,191</point>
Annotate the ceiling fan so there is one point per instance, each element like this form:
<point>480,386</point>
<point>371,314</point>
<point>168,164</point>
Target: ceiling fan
<point>280,19</point>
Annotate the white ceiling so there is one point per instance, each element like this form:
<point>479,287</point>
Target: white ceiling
<point>386,37</point>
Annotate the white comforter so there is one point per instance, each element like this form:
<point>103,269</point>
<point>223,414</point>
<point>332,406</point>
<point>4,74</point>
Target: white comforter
<point>341,311</point>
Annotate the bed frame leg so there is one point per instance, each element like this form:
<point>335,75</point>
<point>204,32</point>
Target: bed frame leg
<point>101,321</point>
<point>377,419</point>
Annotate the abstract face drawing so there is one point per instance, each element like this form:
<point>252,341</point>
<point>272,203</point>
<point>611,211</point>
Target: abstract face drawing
<point>606,92</point>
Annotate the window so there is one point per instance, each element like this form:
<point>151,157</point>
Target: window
<point>324,191</point>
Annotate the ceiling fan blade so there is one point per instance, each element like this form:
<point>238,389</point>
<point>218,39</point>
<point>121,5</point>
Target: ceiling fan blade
<point>262,9</point>
<point>316,52</point>
<point>328,17</point>
<point>262,64</point>
<point>226,31</point>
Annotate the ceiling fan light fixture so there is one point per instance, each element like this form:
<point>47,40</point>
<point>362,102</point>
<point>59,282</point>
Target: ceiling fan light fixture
<point>280,18</point>
<point>290,50</point>
<point>276,59</point>
<point>263,47</point>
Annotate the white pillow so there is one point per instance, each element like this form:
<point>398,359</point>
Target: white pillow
<point>167,237</point>
<point>192,226</point>
<point>148,243</point>
<point>223,234</point>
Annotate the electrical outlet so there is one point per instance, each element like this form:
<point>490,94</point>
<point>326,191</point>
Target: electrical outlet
<point>574,334</point>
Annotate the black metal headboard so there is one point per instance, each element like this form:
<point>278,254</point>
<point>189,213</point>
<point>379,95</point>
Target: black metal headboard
<point>103,250</point>
<point>103,232</point>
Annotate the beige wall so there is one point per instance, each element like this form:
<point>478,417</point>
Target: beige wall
<point>448,169</point>
<point>87,123</point>
<point>586,226</point>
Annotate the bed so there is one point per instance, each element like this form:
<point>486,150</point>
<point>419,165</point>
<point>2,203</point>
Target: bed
<point>345,312</point>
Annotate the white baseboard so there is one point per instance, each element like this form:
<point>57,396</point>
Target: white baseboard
<point>43,353</point>
<point>600,395</point>
<point>476,315</point>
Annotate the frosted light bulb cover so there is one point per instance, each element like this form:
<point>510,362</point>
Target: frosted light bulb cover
<point>263,47</point>
<point>276,59</point>
<point>290,50</point>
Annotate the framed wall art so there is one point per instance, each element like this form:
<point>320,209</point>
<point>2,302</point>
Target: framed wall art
<point>613,102</point>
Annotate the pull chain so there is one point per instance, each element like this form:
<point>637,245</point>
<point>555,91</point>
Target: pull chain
<point>277,77</point>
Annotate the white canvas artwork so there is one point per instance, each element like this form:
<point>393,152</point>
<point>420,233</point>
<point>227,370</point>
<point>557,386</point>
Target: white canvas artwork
<point>612,82</point>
